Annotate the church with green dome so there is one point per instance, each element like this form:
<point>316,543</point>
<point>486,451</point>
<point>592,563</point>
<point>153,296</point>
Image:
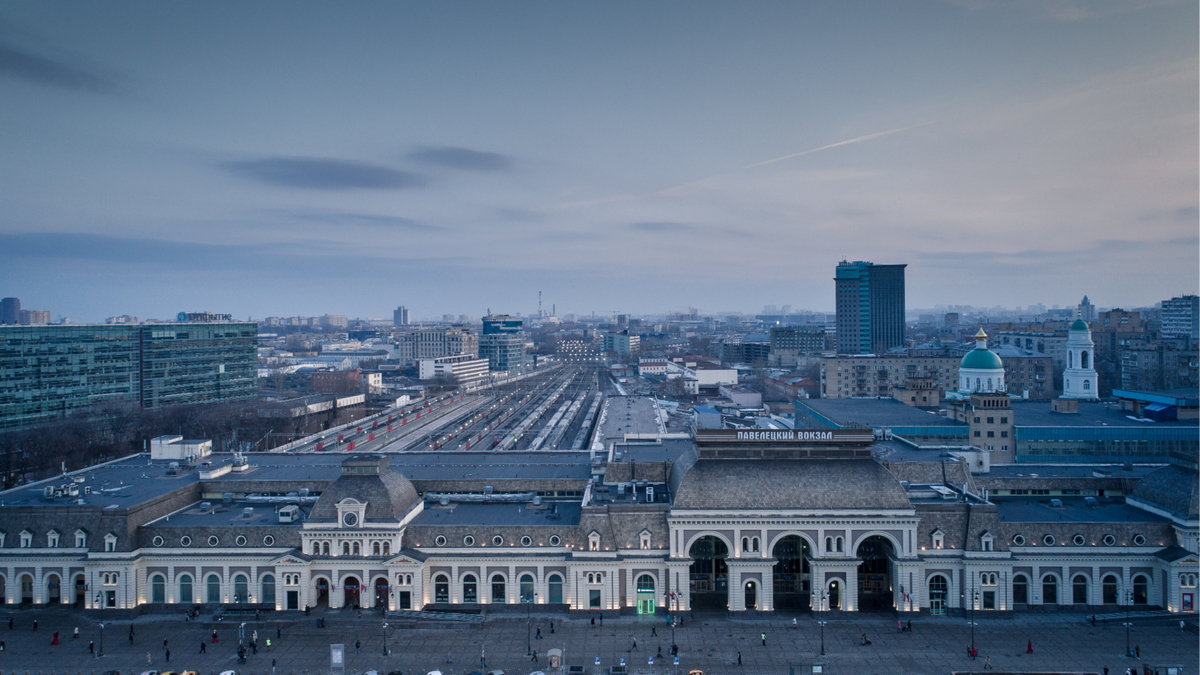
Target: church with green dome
<point>981,370</point>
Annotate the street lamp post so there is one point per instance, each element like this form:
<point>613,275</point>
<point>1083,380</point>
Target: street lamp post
<point>824,597</point>
<point>974,601</point>
<point>529,625</point>
<point>100,601</point>
<point>384,631</point>
<point>1128,601</point>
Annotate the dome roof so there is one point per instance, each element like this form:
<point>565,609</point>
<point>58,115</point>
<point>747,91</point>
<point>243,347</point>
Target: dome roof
<point>981,359</point>
<point>1079,324</point>
<point>388,494</point>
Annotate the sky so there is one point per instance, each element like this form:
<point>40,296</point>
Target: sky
<point>293,158</point>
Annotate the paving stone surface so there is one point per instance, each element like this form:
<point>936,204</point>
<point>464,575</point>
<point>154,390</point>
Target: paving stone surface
<point>1063,643</point>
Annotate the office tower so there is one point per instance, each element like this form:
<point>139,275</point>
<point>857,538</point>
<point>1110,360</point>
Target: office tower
<point>503,343</point>
<point>54,371</point>
<point>400,316</point>
<point>1087,311</point>
<point>10,311</point>
<point>1181,317</point>
<point>870,307</point>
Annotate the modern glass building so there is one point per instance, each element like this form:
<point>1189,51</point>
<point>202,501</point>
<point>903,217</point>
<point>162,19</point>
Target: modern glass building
<point>48,372</point>
<point>503,343</point>
<point>870,307</point>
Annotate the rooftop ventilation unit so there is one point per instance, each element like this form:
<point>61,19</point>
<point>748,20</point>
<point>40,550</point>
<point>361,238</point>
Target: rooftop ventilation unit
<point>206,507</point>
<point>248,512</point>
<point>488,489</point>
<point>445,500</point>
<point>537,500</point>
<point>620,488</point>
<point>1056,503</point>
<point>303,492</point>
<point>1091,501</point>
<point>227,498</point>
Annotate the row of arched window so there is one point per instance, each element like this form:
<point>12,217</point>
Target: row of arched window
<point>353,548</point>
<point>498,595</point>
<point>211,592</point>
<point>1110,590</point>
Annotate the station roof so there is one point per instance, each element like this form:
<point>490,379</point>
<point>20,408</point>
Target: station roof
<point>496,515</point>
<point>1073,510</point>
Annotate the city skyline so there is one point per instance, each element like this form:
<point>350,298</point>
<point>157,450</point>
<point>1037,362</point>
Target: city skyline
<point>276,159</point>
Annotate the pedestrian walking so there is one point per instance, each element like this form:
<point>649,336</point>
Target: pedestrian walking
<point>552,628</point>
<point>254,636</point>
<point>34,624</point>
<point>357,646</point>
<point>794,625</point>
<point>214,638</point>
<point>653,632</point>
<point>148,659</point>
<point>987,663</point>
<point>2,645</point>
<point>91,647</point>
<point>593,621</point>
<point>539,633</point>
<point>535,658</point>
<point>1137,650</point>
<point>164,643</point>
<point>278,632</point>
<point>203,647</point>
<point>75,635</point>
<point>448,660</point>
<point>910,625</point>
<point>168,656</point>
<point>764,639</point>
<point>131,635</point>
<point>10,623</point>
<point>1105,670</point>
<point>634,644</point>
<point>899,626</point>
<point>602,620</point>
<point>1029,647</point>
<point>739,658</point>
<point>54,640</point>
<point>254,647</point>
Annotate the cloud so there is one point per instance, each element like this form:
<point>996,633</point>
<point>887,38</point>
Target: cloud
<point>661,226</point>
<point>1064,10</point>
<point>1184,213</point>
<point>324,174</point>
<point>462,158</point>
<point>345,218</point>
<point>41,70</point>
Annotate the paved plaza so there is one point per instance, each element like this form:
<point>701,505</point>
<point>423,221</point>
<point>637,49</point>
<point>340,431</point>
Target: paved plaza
<point>706,642</point>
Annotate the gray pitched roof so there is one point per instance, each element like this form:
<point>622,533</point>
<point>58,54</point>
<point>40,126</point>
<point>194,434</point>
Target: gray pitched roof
<point>797,484</point>
<point>1173,488</point>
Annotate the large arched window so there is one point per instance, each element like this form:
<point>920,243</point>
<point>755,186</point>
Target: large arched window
<point>1083,360</point>
<point>1079,590</point>
<point>214,588</point>
<point>185,588</point>
<point>470,588</point>
<point>1020,589</point>
<point>1049,590</point>
<point>240,589</point>
<point>555,584</point>
<point>441,588</point>
<point>1109,590</point>
<point>498,589</point>
<point>158,588</point>
<point>1140,587</point>
<point>268,589</point>
<point>526,588</point>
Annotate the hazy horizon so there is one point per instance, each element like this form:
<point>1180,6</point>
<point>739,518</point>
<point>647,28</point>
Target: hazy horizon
<point>307,158</point>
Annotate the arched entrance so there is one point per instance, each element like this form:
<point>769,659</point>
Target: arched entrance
<point>80,590</point>
<point>835,595</point>
<point>939,588</point>
<point>26,589</point>
<point>875,575</point>
<point>708,575</point>
<point>321,585</point>
<point>791,573</point>
<point>53,589</point>
<point>751,591</point>
<point>3,589</point>
<point>350,589</point>
<point>645,594</point>
<point>381,592</point>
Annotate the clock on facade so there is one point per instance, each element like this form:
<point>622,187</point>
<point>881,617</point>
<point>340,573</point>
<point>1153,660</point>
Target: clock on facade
<point>350,519</point>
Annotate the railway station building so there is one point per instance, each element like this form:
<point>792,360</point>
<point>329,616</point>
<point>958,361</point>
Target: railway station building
<point>723,520</point>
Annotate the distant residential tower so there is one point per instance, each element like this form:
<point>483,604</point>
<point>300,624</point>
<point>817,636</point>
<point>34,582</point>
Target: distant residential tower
<point>870,307</point>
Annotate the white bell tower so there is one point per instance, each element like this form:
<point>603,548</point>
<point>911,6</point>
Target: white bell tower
<point>1079,378</point>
